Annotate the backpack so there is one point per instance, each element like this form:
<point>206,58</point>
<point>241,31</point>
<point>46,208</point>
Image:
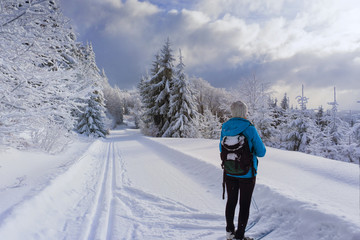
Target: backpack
<point>236,155</point>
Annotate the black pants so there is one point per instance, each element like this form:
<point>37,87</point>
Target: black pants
<point>246,188</point>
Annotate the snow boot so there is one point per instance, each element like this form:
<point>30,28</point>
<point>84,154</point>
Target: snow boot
<point>230,235</point>
<point>239,235</point>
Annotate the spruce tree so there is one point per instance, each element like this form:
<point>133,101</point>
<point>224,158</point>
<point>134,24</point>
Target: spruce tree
<point>91,121</point>
<point>155,91</point>
<point>299,132</point>
<point>285,102</point>
<point>182,112</point>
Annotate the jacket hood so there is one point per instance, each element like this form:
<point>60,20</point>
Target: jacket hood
<point>235,126</point>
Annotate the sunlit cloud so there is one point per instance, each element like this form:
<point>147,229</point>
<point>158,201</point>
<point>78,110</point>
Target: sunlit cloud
<point>315,43</point>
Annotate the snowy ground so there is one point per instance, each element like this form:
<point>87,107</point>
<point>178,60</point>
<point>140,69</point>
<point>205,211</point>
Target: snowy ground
<point>133,187</point>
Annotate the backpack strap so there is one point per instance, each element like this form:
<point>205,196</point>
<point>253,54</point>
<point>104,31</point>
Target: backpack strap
<point>223,185</point>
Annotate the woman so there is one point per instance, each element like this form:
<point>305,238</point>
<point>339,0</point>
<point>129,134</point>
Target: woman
<point>244,184</point>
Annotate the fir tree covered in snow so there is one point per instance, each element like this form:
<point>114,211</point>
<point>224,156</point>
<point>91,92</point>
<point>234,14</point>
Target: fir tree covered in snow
<point>298,134</point>
<point>155,91</point>
<point>182,112</point>
<point>91,120</point>
<point>285,103</point>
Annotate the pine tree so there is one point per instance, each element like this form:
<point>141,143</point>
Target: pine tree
<point>334,122</point>
<point>91,121</point>
<point>299,132</point>
<point>182,112</point>
<point>285,102</point>
<point>155,91</point>
<point>91,116</point>
<point>320,119</point>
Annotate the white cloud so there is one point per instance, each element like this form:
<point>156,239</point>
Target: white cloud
<point>114,3</point>
<point>173,12</point>
<point>131,18</point>
<point>193,20</point>
<point>321,27</point>
<point>244,8</point>
<point>295,41</point>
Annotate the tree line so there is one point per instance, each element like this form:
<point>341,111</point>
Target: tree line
<point>174,105</point>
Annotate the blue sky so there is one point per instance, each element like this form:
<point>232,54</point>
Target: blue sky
<point>286,43</point>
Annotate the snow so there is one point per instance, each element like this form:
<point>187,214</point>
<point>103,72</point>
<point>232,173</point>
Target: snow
<point>129,186</point>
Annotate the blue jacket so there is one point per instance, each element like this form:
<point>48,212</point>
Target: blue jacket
<point>235,126</point>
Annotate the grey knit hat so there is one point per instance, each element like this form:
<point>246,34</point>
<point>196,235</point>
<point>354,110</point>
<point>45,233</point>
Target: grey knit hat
<point>239,109</point>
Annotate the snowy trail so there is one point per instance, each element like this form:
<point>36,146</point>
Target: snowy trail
<point>133,187</point>
<point>110,193</point>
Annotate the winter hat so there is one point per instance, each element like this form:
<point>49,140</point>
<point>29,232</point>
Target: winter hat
<point>239,109</point>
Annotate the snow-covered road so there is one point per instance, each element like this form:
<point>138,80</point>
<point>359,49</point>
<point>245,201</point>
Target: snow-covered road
<point>133,187</point>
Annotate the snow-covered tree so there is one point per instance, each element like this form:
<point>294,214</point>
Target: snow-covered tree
<point>285,104</point>
<point>299,132</point>
<point>254,92</point>
<point>155,90</point>
<point>210,126</point>
<point>39,69</point>
<point>356,132</point>
<point>320,119</point>
<point>209,98</point>
<point>91,120</point>
<point>91,114</point>
<point>334,122</point>
<point>182,113</point>
<point>113,103</point>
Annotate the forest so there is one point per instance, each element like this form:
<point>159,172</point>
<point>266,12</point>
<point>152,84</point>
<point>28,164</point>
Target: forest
<point>51,90</point>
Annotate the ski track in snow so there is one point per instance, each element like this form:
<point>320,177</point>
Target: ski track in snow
<point>133,187</point>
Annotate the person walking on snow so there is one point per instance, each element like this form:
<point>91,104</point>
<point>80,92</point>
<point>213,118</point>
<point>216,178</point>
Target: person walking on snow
<point>244,184</point>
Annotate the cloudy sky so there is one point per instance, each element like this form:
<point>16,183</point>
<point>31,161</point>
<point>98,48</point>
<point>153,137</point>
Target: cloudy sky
<point>286,43</point>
